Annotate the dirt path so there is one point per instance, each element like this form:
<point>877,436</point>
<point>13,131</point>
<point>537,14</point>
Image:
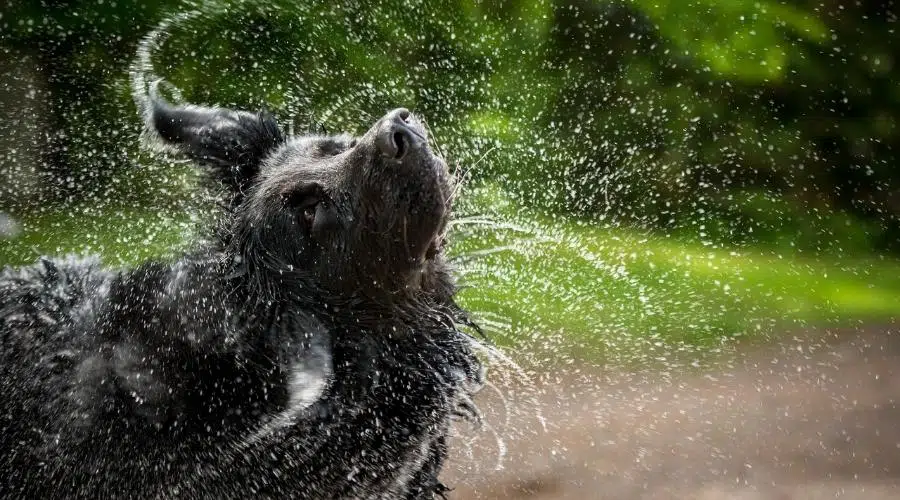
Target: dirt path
<point>816,416</point>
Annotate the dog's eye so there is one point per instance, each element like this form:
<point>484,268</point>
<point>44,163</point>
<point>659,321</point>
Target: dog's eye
<point>309,210</point>
<point>304,201</point>
<point>309,214</point>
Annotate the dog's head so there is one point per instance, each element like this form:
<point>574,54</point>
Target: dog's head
<point>362,216</point>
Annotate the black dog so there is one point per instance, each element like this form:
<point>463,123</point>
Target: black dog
<point>312,349</point>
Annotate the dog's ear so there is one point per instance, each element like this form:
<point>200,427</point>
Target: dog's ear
<point>230,143</point>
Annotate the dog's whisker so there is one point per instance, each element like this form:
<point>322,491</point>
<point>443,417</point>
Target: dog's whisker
<point>466,175</point>
<point>434,139</point>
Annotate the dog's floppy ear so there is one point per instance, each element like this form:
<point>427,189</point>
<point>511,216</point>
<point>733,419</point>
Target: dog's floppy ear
<point>231,143</point>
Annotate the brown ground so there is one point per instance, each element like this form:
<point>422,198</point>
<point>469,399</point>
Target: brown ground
<point>814,417</point>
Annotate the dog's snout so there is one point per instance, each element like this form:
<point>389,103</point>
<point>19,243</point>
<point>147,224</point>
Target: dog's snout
<point>399,133</point>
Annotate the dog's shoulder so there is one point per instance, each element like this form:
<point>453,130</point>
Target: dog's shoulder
<point>51,294</point>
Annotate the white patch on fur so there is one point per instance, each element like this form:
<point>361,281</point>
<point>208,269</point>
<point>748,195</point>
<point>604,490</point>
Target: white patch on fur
<point>309,379</point>
<point>306,388</point>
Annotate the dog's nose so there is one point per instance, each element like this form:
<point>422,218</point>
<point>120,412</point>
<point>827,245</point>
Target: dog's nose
<point>399,133</point>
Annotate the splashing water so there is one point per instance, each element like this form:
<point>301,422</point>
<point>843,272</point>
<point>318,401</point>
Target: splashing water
<point>635,215</point>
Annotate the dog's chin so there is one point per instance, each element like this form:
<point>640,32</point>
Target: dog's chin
<point>426,240</point>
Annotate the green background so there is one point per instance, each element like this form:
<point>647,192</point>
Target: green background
<point>640,178</point>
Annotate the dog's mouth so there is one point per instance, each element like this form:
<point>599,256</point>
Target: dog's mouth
<point>433,212</point>
<point>420,191</point>
<point>424,236</point>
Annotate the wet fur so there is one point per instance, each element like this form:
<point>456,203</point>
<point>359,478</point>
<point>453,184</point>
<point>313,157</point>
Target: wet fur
<point>257,365</point>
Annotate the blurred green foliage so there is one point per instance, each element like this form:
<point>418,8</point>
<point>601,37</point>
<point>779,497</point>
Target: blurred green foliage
<point>686,171</point>
<point>590,291</point>
<point>631,294</point>
<point>741,122</point>
<point>740,39</point>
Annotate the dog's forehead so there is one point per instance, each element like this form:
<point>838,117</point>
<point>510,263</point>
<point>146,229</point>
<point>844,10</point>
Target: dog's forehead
<point>317,146</point>
<point>308,152</point>
<point>308,158</point>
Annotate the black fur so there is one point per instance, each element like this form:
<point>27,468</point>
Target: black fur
<point>311,349</point>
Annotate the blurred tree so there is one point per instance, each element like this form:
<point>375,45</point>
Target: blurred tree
<point>79,49</point>
<point>693,115</point>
